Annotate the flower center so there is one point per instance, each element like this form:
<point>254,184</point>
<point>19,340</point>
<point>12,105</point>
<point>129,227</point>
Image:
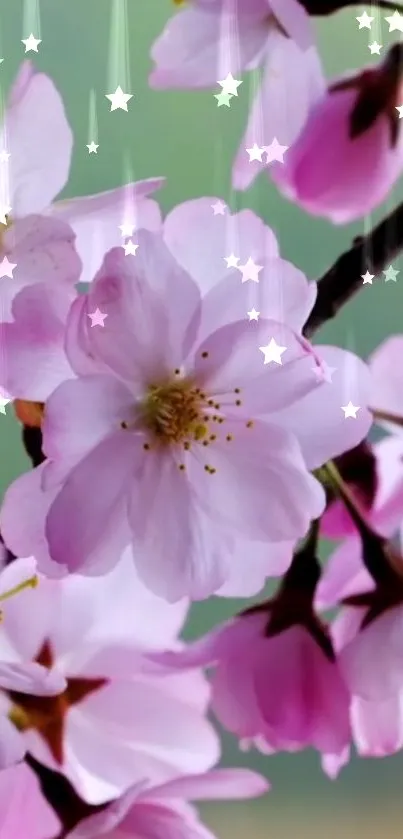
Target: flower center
<point>173,412</point>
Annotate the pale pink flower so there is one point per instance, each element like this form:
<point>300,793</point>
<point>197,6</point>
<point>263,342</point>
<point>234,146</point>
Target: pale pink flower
<point>280,692</point>
<point>183,462</point>
<point>208,39</point>
<point>117,721</point>
<point>163,812</point>
<point>349,153</point>
<point>24,812</point>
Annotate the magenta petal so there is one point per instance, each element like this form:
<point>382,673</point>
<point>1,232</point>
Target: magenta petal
<point>30,678</point>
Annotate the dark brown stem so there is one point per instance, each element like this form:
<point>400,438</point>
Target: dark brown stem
<point>342,281</point>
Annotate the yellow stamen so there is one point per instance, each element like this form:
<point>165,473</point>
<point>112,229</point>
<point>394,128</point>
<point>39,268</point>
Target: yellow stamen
<point>31,583</point>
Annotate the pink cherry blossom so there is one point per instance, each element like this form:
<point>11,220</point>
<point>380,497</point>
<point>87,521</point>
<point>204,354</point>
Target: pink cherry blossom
<point>349,154</point>
<point>280,692</point>
<point>119,720</point>
<point>102,422</point>
<point>24,811</point>
<point>209,39</point>
<point>162,812</point>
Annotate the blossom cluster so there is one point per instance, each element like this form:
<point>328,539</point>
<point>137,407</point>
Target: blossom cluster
<point>194,442</point>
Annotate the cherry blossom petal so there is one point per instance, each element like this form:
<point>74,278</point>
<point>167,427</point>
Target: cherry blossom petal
<point>24,810</point>
<point>188,53</point>
<point>234,360</point>
<point>171,532</point>
<point>318,421</point>
<point>293,81</point>
<point>200,241</point>
<point>82,519</point>
<point>32,345</point>
<point>39,140</point>
<point>271,498</point>
<point>96,219</point>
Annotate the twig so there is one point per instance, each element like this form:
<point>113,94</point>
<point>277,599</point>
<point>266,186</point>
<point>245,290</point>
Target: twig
<point>342,281</point>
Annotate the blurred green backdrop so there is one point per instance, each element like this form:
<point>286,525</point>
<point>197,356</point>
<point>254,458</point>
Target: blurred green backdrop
<point>183,136</point>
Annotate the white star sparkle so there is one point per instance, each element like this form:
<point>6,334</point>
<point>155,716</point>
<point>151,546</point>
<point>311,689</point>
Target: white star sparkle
<point>350,410</point>
<point>119,99</point>
<point>31,43</point>
<point>272,352</point>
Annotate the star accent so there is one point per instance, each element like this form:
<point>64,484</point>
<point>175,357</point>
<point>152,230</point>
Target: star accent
<point>250,271</point>
<point>255,153</point>
<point>272,352</point>
<point>7,268</point>
<point>230,85</point>
<point>275,151</point>
<point>130,248</point>
<point>367,278</point>
<point>223,99</point>
<point>97,318</point>
<point>119,99</point>
<point>350,410</point>
<point>126,230</point>
<point>4,155</point>
<point>390,274</point>
<point>93,147</point>
<point>253,314</point>
<point>324,372</point>
<point>4,212</point>
<point>375,48</point>
<point>219,208</point>
<point>232,261</point>
<point>365,21</point>
<point>31,43</point>
<point>3,403</point>
<point>395,22</point>
<point>399,109</point>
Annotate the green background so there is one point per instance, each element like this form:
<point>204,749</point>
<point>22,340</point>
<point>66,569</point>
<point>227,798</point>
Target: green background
<point>183,136</point>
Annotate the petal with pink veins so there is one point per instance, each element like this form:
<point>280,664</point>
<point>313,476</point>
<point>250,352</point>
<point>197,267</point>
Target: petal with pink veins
<point>33,343</point>
<point>85,521</point>
<point>271,498</point>
<point>229,364</point>
<point>146,332</point>
<point>177,548</point>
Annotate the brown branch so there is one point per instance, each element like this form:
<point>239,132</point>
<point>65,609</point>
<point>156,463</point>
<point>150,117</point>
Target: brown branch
<point>342,281</point>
